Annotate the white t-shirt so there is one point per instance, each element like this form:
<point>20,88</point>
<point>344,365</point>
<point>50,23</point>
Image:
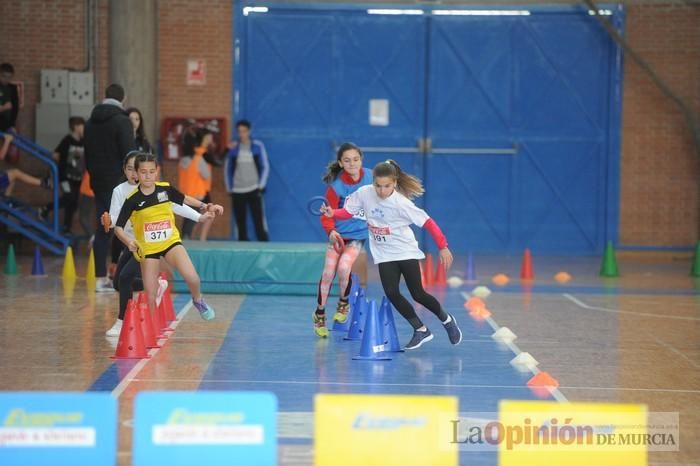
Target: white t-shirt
<point>122,191</point>
<point>388,222</point>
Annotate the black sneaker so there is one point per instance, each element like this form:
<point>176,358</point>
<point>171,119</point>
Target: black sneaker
<point>453,330</point>
<point>419,338</point>
<point>43,213</point>
<point>47,182</point>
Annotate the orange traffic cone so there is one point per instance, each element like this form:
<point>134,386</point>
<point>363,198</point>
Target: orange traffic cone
<point>147,326</point>
<point>543,379</point>
<point>440,278</point>
<point>131,344</point>
<point>428,271</point>
<point>474,303</point>
<point>526,272</point>
<point>480,313</point>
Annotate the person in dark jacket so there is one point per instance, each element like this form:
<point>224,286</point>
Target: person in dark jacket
<point>9,98</point>
<point>109,136</point>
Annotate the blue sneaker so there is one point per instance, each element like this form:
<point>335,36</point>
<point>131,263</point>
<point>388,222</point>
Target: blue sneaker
<point>418,339</point>
<point>205,311</point>
<point>453,331</point>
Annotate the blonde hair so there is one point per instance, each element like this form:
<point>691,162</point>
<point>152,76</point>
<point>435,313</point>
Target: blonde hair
<point>406,184</point>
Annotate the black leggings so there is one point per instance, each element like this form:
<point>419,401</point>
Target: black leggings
<point>117,248</point>
<point>127,279</point>
<point>390,275</point>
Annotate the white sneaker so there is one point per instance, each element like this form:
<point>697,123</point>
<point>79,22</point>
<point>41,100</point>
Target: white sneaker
<point>116,329</point>
<point>104,285</point>
<point>162,286</point>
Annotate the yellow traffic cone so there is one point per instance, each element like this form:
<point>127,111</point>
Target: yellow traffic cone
<point>69,265</point>
<point>90,274</point>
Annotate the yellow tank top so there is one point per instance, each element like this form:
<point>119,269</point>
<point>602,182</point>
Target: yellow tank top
<point>152,217</point>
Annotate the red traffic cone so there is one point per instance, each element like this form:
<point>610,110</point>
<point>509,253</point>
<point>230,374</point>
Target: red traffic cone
<point>526,272</point>
<point>428,271</point>
<point>131,344</point>
<point>169,309</point>
<point>161,318</point>
<point>147,326</point>
<point>440,278</point>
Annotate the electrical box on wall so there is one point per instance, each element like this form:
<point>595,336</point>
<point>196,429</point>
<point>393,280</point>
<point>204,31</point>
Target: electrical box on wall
<point>54,86</point>
<point>51,123</point>
<point>80,88</point>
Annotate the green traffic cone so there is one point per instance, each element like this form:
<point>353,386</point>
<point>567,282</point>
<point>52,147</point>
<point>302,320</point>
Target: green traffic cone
<point>695,271</point>
<point>609,266</point>
<point>11,264</point>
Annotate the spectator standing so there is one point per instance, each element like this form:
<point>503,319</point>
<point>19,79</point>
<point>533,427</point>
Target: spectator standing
<point>109,136</point>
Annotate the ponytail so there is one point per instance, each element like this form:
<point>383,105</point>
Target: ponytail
<point>406,184</point>
<point>333,169</point>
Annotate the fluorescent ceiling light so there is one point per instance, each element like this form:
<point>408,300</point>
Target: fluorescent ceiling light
<point>254,9</point>
<point>600,12</point>
<point>481,12</point>
<point>388,11</point>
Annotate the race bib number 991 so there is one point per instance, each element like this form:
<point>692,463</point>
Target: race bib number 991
<point>156,232</point>
<point>380,234</point>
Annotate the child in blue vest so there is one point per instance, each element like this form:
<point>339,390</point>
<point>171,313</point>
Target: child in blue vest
<point>344,176</point>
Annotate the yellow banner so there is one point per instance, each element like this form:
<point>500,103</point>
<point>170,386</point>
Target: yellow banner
<point>382,430</point>
<point>535,433</point>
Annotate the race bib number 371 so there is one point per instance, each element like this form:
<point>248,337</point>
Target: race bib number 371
<point>380,234</point>
<point>155,232</point>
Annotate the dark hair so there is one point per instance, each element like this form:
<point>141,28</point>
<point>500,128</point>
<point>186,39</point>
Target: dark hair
<point>245,123</point>
<point>75,121</point>
<point>141,139</point>
<point>333,169</point>
<point>199,135</point>
<point>7,68</point>
<point>142,157</point>
<point>115,91</point>
<point>406,184</point>
<point>130,155</point>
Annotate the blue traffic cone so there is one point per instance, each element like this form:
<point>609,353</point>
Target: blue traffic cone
<point>359,315</point>
<point>471,272</point>
<point>352,297</point>
<point>373,347</point>
<point>38,265</point>
<point>390,336</point>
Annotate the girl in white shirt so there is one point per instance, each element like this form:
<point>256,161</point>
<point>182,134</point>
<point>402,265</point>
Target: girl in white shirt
<point>390,211</point>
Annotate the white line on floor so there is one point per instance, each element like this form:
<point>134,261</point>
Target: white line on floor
<point>670,347</point>
<point>119,389</point>
<point>556,394</point>
<point>359,384</point>
<point>580,303</point>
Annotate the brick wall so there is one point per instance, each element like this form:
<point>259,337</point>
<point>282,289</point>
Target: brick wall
<point>196,30</point>
<point>660,172</point>
<point>36,34</point>
<point>660,183</point>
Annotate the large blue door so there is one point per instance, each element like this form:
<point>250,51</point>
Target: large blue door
<point>306,80</point>
<point>519,117</point>
<point>510,120</point>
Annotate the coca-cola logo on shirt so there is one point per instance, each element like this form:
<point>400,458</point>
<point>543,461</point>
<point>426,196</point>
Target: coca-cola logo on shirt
<point>155,226</point>
<point>379,230</point>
